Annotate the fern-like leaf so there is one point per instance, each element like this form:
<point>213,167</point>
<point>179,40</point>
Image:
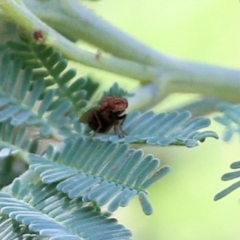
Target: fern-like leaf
<point>116,90</point>
<point>15,139</point>
<point>230,119</point>
<point>40,209</point>
<point>230,176</point>
<point>50,65</point>
<point>22,103</point>
<point>107,173</point>
<point>90,87</point>
<point>15,144</point>
<point>176,128</point>
<point>12,230</point>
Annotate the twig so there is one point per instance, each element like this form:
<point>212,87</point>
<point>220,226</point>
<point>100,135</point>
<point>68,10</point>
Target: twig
<point>143,63</point>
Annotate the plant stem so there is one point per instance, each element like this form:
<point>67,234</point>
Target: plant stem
<point>133,59</point>
<point>200,107</point>
<point>26,19</point>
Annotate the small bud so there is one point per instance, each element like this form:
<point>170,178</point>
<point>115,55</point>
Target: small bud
<point>38,35</point>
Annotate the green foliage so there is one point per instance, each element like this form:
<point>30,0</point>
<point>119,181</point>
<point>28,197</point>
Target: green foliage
<point>50,65</point>
<point>176,128</point>
<point>70,175</point>
<point>116,90</point>
<point>62,194</point>
<point>230,176</point>
<point>15,139</point>
<point>230,119</point>
<point>24,101</point>
<point>10,167</point>
<point>42,209</point>
<point>107,173</point>
<point>11,229</point>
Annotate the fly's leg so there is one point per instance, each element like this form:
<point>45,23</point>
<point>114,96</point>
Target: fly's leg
<point>122,117</point>
<point>99,125</point>
<point>118,131</point>
<point>118,128</point>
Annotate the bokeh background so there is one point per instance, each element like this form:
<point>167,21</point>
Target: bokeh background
<point>207,31</point>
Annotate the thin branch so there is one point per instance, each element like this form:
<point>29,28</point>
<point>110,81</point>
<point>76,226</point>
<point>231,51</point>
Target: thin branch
<point>26,19</point>
<point>200,107</point>
<point>86,25</point>
<point>146,64</point>
<point>145,97</point>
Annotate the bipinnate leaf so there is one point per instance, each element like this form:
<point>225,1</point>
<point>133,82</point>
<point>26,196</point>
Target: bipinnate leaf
<point>105,172</point>
<point>230,119</point>
<point>230,176</point>
<point>24,102</point>
<point>116,90</point>
<point>13,230</point>
<point>15,140</point>
<point>37,208</point>
<point>50,65</point>
<point>175,128</point>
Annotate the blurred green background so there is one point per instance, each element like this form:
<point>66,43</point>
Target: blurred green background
<point>206,31</point>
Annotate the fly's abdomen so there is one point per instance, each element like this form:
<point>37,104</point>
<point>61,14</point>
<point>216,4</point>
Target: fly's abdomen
<point>101,122</point>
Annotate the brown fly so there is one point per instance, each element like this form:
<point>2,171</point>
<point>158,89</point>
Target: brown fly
<point>109,113</point>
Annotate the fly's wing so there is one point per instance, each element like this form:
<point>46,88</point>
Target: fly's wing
<point>85,117</point>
